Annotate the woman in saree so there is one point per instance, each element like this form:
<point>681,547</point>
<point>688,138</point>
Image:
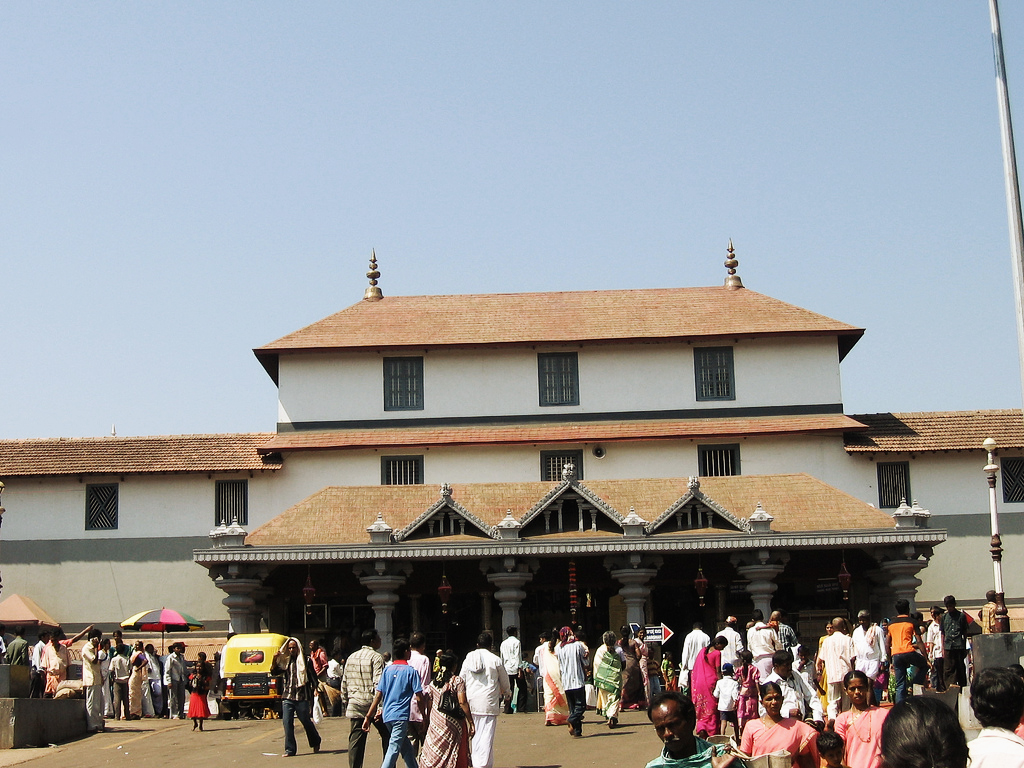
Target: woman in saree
<point>773,733</point>
<point>447,742</point>
<point>707,671</point>
<point>608,664</point>
<point>556,706</point>
<point>632,682</point>
<point>138,678</point>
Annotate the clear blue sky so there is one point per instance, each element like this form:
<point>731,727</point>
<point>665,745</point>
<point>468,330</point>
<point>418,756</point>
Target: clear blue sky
<point>184,181</point>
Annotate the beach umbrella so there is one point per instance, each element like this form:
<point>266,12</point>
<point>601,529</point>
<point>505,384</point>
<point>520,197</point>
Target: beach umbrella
<point>162,619</point>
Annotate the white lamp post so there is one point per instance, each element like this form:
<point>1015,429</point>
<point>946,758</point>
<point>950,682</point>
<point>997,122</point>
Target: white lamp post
<point>1002,619</point>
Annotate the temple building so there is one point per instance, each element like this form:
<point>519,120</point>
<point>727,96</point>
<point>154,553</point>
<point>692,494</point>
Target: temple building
<point>447,463</point>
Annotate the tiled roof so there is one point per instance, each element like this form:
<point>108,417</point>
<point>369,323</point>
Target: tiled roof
<point>575,432</point>
<point>937,431</point>
<point>529,318</point>
<point>134,455</point>
<point>341,514</point>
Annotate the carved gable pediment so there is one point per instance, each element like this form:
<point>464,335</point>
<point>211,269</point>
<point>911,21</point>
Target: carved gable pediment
<point>696,511</point>
<point>570,507</point>
<point>446,517</point>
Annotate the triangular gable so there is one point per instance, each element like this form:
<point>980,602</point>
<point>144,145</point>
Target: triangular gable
<point>571,487</point>
<point>678,518</point>
<point>457,521</point>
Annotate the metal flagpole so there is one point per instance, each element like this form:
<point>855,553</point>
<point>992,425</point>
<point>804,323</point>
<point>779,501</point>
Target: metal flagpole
<point>1017,249</point>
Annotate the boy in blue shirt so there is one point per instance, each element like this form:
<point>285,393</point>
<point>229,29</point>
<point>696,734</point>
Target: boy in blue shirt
<point>397,685</point>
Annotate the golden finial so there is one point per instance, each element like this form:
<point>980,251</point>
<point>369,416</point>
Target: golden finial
<point>373,293</point>
<point>732,280</point>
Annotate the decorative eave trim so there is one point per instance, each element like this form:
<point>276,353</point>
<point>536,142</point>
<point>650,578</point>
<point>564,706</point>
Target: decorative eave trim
<point>432,550</point>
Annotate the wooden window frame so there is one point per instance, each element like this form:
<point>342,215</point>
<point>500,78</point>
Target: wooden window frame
<point>111,506</point>
<point>386,461</point>
<point>403,384</point>
<point>704,451</point>
<point>889,497</point>
<point>227,502</point>
<point>1013,479</point>
<point>576,456</point>
<point>710,375</point>
<point>547,384</point>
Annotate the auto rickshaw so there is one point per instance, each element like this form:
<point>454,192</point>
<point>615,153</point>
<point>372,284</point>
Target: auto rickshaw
<point>251,690</point>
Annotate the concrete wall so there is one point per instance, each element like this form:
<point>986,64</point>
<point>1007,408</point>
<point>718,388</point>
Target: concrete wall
<point>40,722</point>
<point>349,386</point>
<point>106,581</point>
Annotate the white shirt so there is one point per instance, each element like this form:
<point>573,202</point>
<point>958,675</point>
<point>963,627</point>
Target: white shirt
<point>868,644</point>
<point>37,655</point>
<point>511,655</point>
<point>997,748</point>
<point>796,694</point>
<point>727,691</point>
<point>731,652</point>
<point>763,641</point>
<point>572,659</point>
<point>538,659</point>
<point>933,636</point>
<point>694,643</point>
<point>486,682</point>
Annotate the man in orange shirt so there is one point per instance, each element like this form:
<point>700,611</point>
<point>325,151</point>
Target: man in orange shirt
<point>906,649</point>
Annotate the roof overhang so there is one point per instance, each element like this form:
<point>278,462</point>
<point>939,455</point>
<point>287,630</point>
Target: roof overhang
<point>434,550</point>
<point>576,432</point>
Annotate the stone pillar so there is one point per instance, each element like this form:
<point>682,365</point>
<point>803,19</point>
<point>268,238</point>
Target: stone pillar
<point>241,588</point>
<point>634,572</point>
<point>383,580</point>
<point>900,566</point>
<point>509,576</point>
<point>760,567</point>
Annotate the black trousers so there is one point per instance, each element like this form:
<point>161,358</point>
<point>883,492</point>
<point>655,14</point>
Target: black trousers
<point>520,688</point>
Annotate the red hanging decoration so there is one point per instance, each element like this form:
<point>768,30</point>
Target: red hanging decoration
<point>308,591</point>
<point>701,585</point>
<point>844,580</point>
<point>573,595</point>
<point>444,591</point>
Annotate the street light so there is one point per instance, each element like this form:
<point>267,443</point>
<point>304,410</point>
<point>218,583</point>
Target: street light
<point>1002,619</point>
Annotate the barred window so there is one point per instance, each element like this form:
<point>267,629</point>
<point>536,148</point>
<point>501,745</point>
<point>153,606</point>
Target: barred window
<point>553,462</point>
<point>101,507</point>
<point>559,377</point>
<point>893,483</point>
<point>713,369</point>
<point>1013,480</point>
<point>401,470</point>
<point>403,383</point>
<point>232,502</point>
<point>718,460</point>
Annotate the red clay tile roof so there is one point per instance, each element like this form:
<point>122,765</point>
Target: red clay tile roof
<point>532,318</point>
<point>341,514</point>
<point>577,432</point>
<point>937,431</point>
<point>134,455</point>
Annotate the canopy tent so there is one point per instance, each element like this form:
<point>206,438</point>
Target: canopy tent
<point>21,611</point>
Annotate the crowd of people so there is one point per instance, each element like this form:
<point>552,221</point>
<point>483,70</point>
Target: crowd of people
<point>847,702</point>
<point>845,699</point>
<point>119,681</point>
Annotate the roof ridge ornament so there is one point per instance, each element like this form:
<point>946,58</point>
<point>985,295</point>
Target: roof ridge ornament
<point>732,280</point>
<point>568,472</point>
<point>373,293</point>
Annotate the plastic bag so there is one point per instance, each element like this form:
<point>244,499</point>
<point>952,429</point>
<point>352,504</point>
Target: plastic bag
<point>318,711</point>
